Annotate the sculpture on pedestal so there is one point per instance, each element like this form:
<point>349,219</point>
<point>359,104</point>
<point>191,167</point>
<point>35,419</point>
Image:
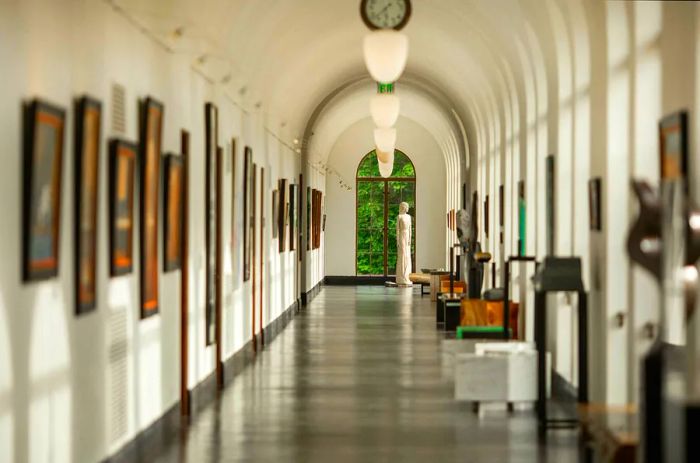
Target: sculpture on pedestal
<point>403,246</point>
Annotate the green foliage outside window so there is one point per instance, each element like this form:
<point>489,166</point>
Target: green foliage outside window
<point>374,228</point>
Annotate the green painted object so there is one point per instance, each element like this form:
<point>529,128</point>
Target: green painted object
<point>462,330</point>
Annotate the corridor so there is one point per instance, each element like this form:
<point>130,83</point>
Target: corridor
<point>356,377</point>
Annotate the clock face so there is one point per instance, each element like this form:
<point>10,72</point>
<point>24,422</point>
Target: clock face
<point>385,14</point>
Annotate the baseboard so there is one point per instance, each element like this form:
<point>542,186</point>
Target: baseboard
<point>562,388</point>
<point>155,436</point>
<point>205,392</point>
<point>308,296</point>
<point>356,280</point>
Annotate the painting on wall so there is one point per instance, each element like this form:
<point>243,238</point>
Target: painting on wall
<point>293,215</point>
<point>300,198</point>
<point>211,160</point>
<point>173,210</point>
<point>41,212</point>
<point>282,218</point>
<point>323,227</point>
<point>316,220</point>
<point>87,158</point>
<point>486,216</point>
<point>151,136</point>
<point>122,168</point>
<point>234,236</point>
<point>673,143</point>
<point>549,197</point>
<point>594,204</point>
<point>275,212</point>
<point>247,201</point>
<point>308,217</point>
<point>501,213</point>
<point>522,219</point>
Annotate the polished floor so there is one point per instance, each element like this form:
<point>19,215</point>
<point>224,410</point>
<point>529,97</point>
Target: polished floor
<point>356,378</point>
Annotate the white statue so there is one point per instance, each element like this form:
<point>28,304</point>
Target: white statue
<point>403,246</point>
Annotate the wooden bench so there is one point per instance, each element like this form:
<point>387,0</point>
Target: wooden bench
<point>613,431</point>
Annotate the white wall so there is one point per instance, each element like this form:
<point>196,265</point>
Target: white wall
<point>75,389</point>
<point>431,180</point>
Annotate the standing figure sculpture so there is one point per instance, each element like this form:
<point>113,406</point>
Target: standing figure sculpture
<point>403,246</point>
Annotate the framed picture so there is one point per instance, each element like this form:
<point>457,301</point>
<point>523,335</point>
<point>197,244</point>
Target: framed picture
<point>234,228</point>
<point>122,168</point>
<point>549,192</point>
<point>300,202</point>
<point>282,218</point>
<point>501,213</point>
<point>151,136</point>
<point>173,205</point>
<point>323,228</point>
<point>309,200</point>
<point>486,216</point>
<point>594,203</point>
<point>522,218</point>
<point>293,214</point>
<point>247,202</point>
<point>211,199</point>
<point>43,168</point>
<point>88,114</point>
<point>275,212</point>
<point>673,146</point>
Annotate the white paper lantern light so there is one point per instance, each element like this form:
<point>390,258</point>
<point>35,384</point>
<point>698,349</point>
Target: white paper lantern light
<point>386,52</point>
<point>384,108</point>
<point>386,168</point>
<point>387,157</point>
<point>385,139</point>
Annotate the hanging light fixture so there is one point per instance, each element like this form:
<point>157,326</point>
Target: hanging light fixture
<point>385,139</point>
<point>384,106</point>
<point>386,168</point>
<point>386,52</point>
<point>387,157</point>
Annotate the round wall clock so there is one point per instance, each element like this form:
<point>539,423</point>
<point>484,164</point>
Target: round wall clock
<point>385,14</point>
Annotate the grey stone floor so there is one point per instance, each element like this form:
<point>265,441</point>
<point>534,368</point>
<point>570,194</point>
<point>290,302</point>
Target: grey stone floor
<point>356,378</point>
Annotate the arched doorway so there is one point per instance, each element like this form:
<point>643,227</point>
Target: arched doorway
<point>376,208</point>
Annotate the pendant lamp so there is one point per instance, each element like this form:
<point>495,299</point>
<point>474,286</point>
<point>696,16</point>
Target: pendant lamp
<point>384,108</point>
<point>387,157</point>
<point>386,52</point>
<point>385,168</point>
<point>385,139</point>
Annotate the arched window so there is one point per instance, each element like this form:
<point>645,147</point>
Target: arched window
<point>377,205</point>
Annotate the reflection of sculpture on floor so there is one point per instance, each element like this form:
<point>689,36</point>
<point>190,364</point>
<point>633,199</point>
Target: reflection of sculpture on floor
<point>403,246</point>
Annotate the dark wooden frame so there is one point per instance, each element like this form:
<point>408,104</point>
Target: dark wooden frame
<point>247,201</point>
<point>275,213</point>
<point>233,200</point>
<point>550,202</point>
<point>398,27</point>
<point>184,282</point>
<point>172,197</point>
<point>301,215</point>
<point>675,122</point>
<point>282,217</point>
<point>211,218</point>
<point>594,205</point>
<point>251,233</point>
<point>501,213</point>
<point>38,112</point>
<point>85,249</point>
<point>150,162</point>
<point>309,216</point>
<point>486,216</point>
<point>293,215</point>
<point>120,148</point>
<point>219,269</point>
<point>262,254</point>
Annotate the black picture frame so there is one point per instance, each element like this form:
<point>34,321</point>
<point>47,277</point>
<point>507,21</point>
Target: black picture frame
<point>173,211</point>
<point>211,201</point>
<point>41,195</point>
<point>123,156</point>
<point>87,142</point>
<point>247,206</point>
<point>594,204</point>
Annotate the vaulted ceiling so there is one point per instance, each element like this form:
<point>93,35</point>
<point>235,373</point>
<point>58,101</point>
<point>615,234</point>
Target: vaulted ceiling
<point>291,60</point>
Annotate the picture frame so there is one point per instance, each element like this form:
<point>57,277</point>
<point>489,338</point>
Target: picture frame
<point>300,215</point>
<point>173,210</point>
<point>522,218</point>
<point>594,204</point>
<point>486,216</point>
<point>247,202</point>
<point>122,171</point>
<point>293,213</point>
<point>275,212</point>
<point>282,218</point>
<point>673,147</point>
<point>88,122</point>
<point>309,219</point>
<point>501,213</point>
<point>150,153</point>
<point>234,227</point>
<point>550,203</point>
<point>44,126</point>
<point>211,201</point>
